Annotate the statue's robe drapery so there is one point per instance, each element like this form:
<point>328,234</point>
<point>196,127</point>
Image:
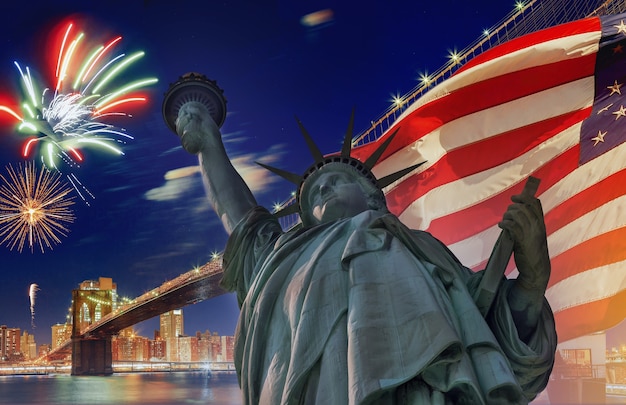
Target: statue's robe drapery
<point>364,310</point>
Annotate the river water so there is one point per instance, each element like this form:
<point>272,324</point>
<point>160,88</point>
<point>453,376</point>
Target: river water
<point>176,388</point>
<point>164,388</point>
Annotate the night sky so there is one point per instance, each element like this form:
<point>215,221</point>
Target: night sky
<point>142,229</point>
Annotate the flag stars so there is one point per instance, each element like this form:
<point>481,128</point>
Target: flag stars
<point>615,88</point>
<point>621,27</point>
<point>618,49</point>
<point>599,138</point>
<point>603,109</point>
<point>620,113</point>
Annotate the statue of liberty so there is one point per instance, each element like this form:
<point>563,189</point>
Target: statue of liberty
<point>352,307</point>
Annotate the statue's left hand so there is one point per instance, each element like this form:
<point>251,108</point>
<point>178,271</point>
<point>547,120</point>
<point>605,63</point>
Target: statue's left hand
<point>525,223</point>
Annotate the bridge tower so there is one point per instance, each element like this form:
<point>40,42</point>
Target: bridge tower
<point>91,355</point>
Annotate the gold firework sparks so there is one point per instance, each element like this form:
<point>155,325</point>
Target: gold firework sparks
<point>34,207</point>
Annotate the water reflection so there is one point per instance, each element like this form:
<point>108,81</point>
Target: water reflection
<point>141,388</point>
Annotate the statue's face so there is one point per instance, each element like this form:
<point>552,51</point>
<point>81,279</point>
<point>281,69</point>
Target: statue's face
<point>336,195</point>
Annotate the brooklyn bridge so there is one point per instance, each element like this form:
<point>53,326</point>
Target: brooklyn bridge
<point>90,344</point>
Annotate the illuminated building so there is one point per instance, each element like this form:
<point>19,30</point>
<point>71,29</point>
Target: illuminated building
<point>28,346</point>
<point>60,333</point>
<point>185,348</point>
<point>228,348</point>
<point>204,346</point>
<point>44,349</point>
<point>158,349</point>
<point>193,342</point>
<point>171,324</point>
<point>10,344</point>
<point>128,346</point>
<point>215,347</point>
<point>171,328</point>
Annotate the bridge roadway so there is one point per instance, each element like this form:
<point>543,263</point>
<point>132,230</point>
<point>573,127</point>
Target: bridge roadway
<point>192,287</point>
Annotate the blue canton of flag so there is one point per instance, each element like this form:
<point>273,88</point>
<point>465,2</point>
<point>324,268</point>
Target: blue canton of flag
<point>606,126</point>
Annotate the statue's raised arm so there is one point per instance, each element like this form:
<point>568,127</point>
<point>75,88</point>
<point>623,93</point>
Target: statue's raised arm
<point>227,192</point>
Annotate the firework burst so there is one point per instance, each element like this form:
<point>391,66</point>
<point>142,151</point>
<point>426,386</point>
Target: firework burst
<point>34,207</point>
<point>61,120</point>
<point>32,295</point>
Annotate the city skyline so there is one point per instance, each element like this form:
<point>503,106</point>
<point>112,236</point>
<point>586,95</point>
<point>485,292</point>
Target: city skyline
<point>128,345</point>
<point>64,334</point>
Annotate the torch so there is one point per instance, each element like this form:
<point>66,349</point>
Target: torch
<point>194,87</point>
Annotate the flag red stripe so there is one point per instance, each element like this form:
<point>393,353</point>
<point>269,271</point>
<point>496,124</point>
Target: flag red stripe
<point>585,201</point>
<point>465,223</point>
<point>561,31</point>
<point>591,317</point>
<point>509,87</point>
<point>599,251</point>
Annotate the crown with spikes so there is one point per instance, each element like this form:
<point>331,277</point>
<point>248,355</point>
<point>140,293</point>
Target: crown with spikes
<point>363,168</point>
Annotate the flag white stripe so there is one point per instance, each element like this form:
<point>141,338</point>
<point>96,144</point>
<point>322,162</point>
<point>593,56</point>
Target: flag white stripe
<point>588,286</point>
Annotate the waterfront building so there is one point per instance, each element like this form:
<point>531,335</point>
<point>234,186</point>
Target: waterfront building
<point>128,346</point>
<point>580,371</point>
<point>204,346</point>
<point>157,349</point>
<point>10,344</point>
<point>28,346</point>
<point>171,328</point>
<point>616,365</point>
<point>60,333</point>
<point>215,347</point>
<point>228,348</point>
<point>186,349</point>
<point>44,349</point>
<point>171,324</point>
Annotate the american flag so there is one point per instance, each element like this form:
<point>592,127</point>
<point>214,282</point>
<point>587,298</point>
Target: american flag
<point>549,104</point>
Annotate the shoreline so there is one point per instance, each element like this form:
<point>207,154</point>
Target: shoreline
<point>120,368</point>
